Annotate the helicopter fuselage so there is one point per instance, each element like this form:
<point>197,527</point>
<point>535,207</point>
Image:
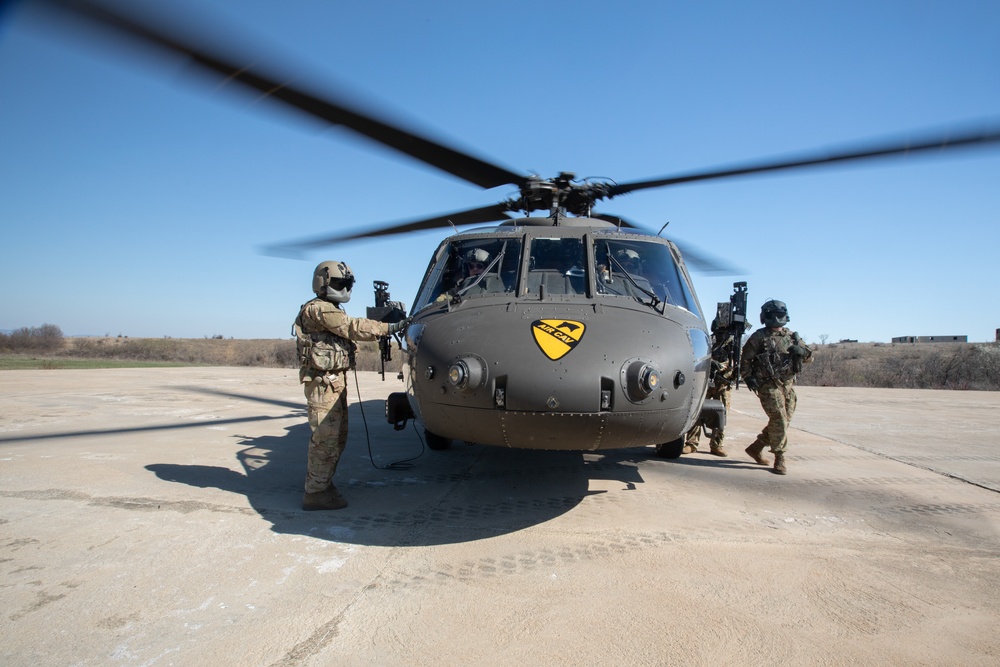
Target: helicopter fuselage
<point>573,336</point>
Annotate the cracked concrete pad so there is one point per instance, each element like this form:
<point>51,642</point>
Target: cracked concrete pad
<point>151,517</point>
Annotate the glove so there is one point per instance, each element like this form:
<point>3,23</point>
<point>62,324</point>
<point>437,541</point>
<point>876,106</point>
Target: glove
<point>396,327</point>
<point>797,351</point>
<point>752,384</point>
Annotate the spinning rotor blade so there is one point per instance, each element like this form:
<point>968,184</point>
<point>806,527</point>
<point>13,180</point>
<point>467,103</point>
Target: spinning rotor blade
<point>699,260</point>
<point>487,214</point>
<point>693,257</point>
<point>939,142</point>
<point>329,110</point>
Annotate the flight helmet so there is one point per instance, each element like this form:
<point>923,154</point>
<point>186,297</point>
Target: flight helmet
<point>629,259</point>
<point>475,256</point>
<point>774,314</point>
<point>333,281</point>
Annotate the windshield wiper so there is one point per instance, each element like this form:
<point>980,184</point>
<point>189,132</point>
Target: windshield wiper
<point>654,300</point>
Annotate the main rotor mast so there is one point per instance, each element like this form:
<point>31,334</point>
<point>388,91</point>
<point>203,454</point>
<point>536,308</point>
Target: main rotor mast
<point>559,196</point>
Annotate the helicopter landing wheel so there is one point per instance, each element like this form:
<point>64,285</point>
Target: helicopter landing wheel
<point>670,450</point>
<point>435,441</point>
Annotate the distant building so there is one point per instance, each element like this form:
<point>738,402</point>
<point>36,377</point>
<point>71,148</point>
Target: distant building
<point>931,339</point>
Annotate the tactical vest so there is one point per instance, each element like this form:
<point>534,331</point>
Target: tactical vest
<point>319,349</point>
<point>773,362</point>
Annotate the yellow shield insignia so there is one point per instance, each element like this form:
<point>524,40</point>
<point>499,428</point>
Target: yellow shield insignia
<point>556,338</point>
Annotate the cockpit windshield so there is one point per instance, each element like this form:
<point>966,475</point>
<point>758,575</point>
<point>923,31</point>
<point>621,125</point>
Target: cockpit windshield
<point>470,268</point>
<point>642,270</point>
<point>557,266</point>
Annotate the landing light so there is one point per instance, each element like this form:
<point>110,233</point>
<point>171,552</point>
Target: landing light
<point>458,374</point>
<point>640,379</point>
<point>649,379</point>
<point>467,373</point>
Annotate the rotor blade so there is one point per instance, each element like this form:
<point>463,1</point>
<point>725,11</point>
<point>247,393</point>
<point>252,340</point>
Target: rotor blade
<point>491,213</point>
<point>329,110</point>
<point>698,260</point>
<point>939,141</point>
<point>703,262</point>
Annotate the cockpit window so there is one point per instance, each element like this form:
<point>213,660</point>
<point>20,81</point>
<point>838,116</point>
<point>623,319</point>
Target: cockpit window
<point>624,266</point>
<point>557,265</point>
<point>471,268</point>
<point>641,270</point>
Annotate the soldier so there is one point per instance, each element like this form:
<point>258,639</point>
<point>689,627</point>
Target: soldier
<point>470,267</point>
<point>721,388</point>
<point>771,359</point>
<point>325,337</point>
<point>629,260</point>
<point>473,264</point>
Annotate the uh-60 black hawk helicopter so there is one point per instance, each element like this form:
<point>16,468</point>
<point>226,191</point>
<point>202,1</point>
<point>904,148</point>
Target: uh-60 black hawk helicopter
<point>572,329</point>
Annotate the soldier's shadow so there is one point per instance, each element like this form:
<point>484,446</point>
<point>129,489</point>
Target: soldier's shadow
<point>465,493</point>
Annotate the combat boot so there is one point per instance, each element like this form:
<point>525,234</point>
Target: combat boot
<point>779,463</point>
<point>719,450</point>
<point>754,452</point>
<point>330,499</point>
<point>690,449</point>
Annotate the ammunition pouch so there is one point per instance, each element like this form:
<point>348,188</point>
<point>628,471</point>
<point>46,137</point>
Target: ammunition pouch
<point>323,350</point>
<point>321,355</point>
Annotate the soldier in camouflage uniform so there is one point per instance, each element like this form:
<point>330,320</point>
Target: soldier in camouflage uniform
<point>771,358</point>
<point>721,388</point>
<point>325,337</point>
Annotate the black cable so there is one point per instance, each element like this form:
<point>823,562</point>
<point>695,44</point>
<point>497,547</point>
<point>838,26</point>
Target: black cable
<point>402,464</point>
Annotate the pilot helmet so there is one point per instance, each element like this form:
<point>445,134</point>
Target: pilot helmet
<point>475,256</point>
<point>628,258</point>
<point>774,314</point>
<point>333,281</point>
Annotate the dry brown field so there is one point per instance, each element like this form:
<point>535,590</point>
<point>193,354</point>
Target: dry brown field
<point>963,366</point>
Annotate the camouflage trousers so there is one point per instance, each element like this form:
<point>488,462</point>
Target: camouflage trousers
<point>778,400</point>
<point>721,393</point>
<point>327,402</point>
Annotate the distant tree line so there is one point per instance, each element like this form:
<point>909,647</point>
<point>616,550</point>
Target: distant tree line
<point>46,338</point>
<point>970,366</point>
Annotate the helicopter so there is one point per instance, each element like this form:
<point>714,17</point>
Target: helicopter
<point>580,330</point>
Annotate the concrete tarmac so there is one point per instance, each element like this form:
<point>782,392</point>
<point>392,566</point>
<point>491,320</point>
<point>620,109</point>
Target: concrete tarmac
<point>151,517</point>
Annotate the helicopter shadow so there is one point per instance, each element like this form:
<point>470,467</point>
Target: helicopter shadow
<point>468,492</point>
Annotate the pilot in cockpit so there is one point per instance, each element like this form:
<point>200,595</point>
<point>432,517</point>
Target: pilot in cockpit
<point>474,264</point>
<point>470,278</point>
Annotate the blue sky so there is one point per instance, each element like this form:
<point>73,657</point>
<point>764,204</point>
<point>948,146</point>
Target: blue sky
<point>134,197</point>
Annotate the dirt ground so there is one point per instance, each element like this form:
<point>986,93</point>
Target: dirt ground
<point>151,517</point>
